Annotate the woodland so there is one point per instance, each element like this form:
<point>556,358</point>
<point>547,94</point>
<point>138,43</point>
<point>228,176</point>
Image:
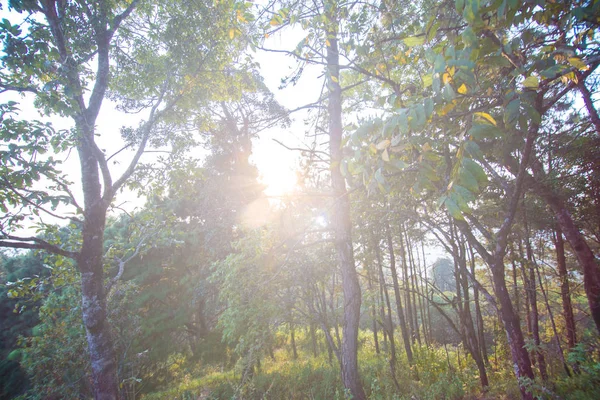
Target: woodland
<point>441,239</point>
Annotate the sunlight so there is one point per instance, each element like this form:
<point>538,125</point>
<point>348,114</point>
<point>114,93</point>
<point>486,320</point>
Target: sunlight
<point>277,168</point>
<point>278,179</point>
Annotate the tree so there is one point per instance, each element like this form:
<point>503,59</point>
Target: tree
<point>147,58</point>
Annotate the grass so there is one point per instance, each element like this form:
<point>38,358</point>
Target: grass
<point>437,373</point>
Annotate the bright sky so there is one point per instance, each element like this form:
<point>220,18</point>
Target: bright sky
<point>276,164</point>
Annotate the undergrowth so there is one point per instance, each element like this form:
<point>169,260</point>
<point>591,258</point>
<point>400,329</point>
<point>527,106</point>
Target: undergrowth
<point>438,372</point>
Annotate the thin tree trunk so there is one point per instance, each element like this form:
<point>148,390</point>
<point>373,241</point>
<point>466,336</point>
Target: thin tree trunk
<point>422,302</point>
<point>341,222</point>
<point>565,294</point>
<point>547,303</point>
<point>480,327</point>
<point>382,315</point>
<point>313,340</point>
<point>515,283</point>
<point>398,296</point>
<point>389,324</point>
<point>428,308</point>
<point>373,312</point>
<point>293,340</point>
<point>534,308</point>
<point>468,333</point>
<point>414,286</point>
<point>409,316</point>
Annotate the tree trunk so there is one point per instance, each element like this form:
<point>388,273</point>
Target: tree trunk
<point>389,324</point>
<point>293,340</point>
<point>583,252</point>
<point>93,295</point>
<point>427,307</point>
<point>341,223</point>
<point>409,316</point>
<point>469,336</point>
<point>413,281</point>
<point>565,294</point>
<point>370,279</point>
<point>535,324</point>
<point>398,296</point>
<point>480,327</point>
<point>313,340</point>
<point>512,327</point>
<point>382,315</point>
<point>550,314</point>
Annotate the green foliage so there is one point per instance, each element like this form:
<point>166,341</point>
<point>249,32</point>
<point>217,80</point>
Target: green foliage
<point>582,386</point>
<point>55,355</point>
<point>17,318</point>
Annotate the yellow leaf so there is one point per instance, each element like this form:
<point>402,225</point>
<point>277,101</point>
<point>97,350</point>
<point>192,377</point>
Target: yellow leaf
<point>231,33</point>
<point>446,77</point>
<point>446,109</point>
<point>451,71</point>
<point>414,41</point>
<point>327,43</point>
<point>335,79</point>
<point>578,63</point>
<point>385,156</point>
<point>462,89</point>
<point>384,144</point>
<point>532,82</point>
<point>427,80</point>
<point>487,117</point>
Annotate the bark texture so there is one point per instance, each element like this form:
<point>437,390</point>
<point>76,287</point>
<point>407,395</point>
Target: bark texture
<point>342,227</point>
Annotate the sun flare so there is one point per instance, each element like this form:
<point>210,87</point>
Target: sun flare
<point>279,181</point>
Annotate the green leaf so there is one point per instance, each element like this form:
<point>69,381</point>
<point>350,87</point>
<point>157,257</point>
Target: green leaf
<point>414,41</point>
<point>475,169</point>
<point>552,71</point>
<point>460,201</point>
<point>428,107</point>
<point>379,176</point>
<point>469,37</point>
<point>511,112</point>
<point>439,65</point>
<point>466,179</point>
<point>448,92</point>
<point>472,148</point>
<point>453,209</point>
<point>466,194</point>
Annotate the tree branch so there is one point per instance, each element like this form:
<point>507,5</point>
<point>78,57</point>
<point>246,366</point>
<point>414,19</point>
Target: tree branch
<point>147,127</point>
<point>16,242</point>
